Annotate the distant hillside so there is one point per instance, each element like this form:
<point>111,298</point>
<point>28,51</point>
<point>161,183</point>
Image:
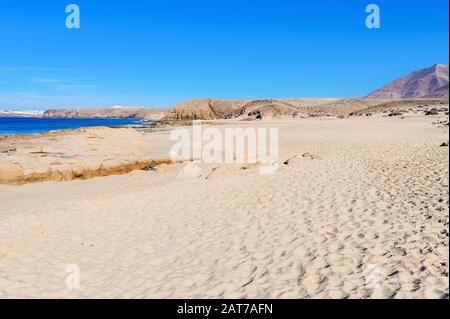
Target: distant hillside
<point>21,113</point>
<point>210,109</point>
<point>113,112</point>
<point>429,83</point>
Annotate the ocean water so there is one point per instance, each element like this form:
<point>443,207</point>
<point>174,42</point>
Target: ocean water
<point>25,125</point>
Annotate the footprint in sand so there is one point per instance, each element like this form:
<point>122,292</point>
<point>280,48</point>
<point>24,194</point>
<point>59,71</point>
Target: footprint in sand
<point>297,159</point>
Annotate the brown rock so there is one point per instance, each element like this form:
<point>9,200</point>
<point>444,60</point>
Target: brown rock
<point>10,173</point>
<point>67,155</point>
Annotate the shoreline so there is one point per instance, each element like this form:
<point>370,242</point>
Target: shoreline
<point>37,125</point>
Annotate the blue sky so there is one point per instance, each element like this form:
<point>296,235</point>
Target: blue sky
<point>159,53</point>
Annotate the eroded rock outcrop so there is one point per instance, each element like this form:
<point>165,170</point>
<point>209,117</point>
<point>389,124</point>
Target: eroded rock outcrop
<point>73,154</point>
<point>213,109</point>
<point>207,109</point>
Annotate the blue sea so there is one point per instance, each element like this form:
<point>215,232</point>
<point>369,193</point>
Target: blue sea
<point>26,125</point>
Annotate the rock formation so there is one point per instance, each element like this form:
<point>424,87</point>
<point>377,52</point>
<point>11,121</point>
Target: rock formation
<point>207,109</point>
<point>213,109</point>
<point>75,154</point>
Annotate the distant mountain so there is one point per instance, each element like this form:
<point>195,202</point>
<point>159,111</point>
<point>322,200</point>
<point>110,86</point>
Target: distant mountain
<point>431,82</point>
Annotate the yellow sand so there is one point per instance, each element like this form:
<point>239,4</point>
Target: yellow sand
<point>368,219</point>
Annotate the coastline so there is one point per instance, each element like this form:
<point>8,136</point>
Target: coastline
<point>33,125</point>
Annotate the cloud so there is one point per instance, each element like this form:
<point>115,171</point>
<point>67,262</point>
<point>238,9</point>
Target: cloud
<point>78,86</point>
<point>34,68</point>
<point>34,96</point>
<point>46,81</point>
<point>64,85</point>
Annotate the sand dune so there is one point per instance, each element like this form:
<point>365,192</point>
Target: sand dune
<point>364,214</point>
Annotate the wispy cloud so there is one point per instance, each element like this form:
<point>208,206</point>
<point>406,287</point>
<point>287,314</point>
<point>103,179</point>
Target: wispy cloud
<point>36,100</point>
<point>24,100</point>
<point>34,96</point>
<point>46,81</point>
<point>36,68</point>
<point>78,86</point>
<point>63,85</point>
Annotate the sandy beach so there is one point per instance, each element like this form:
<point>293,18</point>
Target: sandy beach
<point>359,211</point>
